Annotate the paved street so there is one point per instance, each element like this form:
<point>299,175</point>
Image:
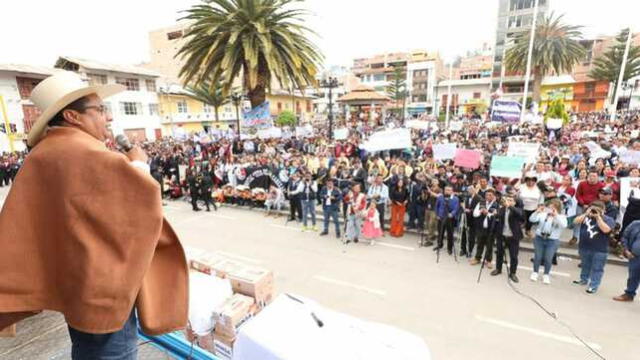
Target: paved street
<point>398,284</point>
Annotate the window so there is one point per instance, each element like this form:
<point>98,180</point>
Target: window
<point>422,98</point>
<point>153,109</point>
<point>174,35</point>
<point>151,85</point>
<point>182,107</point>
<point>206,108</point>
<point>279,106</point>
<point>378,77</point>
<point>97,79</point>
<point>130,83</point>
<point>476,95</point>
<point>130,108</point>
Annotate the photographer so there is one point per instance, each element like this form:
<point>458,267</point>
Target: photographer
<point>550,222</point>
<point>485,216</point>
<point>468,203</point>
<point>509,232</point>
<point>631,241</point>
<point>331,198</point>
<point>595,227</point>
<point>308,200</point>
<point>447,207</point>
<point>379,193</point>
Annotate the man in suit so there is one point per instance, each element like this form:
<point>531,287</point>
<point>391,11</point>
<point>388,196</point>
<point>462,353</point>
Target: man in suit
<point>447,207</point>
<point>330,196</point>
<point>293,191</point>
<point>415,208</point>
<point>359,174</point>
<point>508,231</point>
<point>485,215</point>
<point>469,231</point>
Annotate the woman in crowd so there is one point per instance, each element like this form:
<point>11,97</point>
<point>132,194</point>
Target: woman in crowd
<point>371,229</point>
<point>531,197</point>
<point>399,197</point>
<point>550,223</point>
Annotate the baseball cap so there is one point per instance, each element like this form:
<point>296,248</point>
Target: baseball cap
<point>606,191</point>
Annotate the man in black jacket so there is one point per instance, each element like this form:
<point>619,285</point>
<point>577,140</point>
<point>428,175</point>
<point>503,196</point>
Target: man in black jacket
<point>485,215</point>
<point>194,189</point>
<point>359,174</point>
<point>416,208</point>
<point>206,187</point>
<point>508,230</point>
<point>468,239</point>
<point>331,197</point>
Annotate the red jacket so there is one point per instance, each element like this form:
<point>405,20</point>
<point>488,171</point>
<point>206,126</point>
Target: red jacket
<point>587,193</point>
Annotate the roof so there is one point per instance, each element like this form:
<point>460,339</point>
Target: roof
<point>95,65</point>
<point>28,69</point>
<point>363,93</point>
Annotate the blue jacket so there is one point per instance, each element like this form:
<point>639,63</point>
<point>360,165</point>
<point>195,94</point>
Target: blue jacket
<point>631,237</point>
<point>454,206</point>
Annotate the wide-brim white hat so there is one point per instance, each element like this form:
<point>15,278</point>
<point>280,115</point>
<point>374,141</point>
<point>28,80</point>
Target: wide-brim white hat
<point>56,92</point>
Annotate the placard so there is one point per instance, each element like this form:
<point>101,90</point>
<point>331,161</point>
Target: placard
<point>341,134</point>
<point>468,159</point>
<point>388,140</point>
<point>528,151</point>
<point>507,166</point>
<point>444,151</point>
<point>504,110</point>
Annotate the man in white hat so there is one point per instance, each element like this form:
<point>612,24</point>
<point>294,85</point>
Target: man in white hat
<point>83,231</point>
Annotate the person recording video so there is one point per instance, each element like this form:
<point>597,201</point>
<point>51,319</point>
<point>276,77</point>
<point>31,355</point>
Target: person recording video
<point>550,222</point>
<point>508,231</point>
<point>485,216</point>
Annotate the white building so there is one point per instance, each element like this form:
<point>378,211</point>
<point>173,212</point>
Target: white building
<point>135,111</point>
<point>466,95</point>
<point>421,87</point>
<point>16,83</point>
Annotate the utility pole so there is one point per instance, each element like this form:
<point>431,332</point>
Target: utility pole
<point>529,57</point>
<point>7,125</point>
<point>623,68</point>
<point>330,83</point>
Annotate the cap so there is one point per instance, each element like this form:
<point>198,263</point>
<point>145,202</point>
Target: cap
<point>606,191</point>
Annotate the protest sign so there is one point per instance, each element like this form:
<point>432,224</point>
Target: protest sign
<point>630,157</point>
<point>504,110</point>
<point>444,151</point>
<point>388,140</point>
<point>258,117</point>
<point>625,189</point>
<point>528,151</point>
<point>304,131</point>
<point>270,133</point>
<point>469,159</point>
<point>507,166</point>
<point>341,134</point>
<point>554,124</point>
<point>455,125</point>
<point>417,124</point>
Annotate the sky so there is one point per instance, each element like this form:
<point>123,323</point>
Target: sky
<point>36,32</point>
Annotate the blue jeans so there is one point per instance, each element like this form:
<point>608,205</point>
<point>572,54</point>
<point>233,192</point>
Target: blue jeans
<point>592,267</point>
<point>544,250</point>
<point>576,227</point>
<point>634,276</point>
<point>119,345</point>
<point>331,212</point>
<point>308,207</point>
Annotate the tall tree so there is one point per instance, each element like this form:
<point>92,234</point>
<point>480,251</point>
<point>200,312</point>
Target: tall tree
<point>208,93</point>
<point>397,88</point>
<point>607,65</point>
<point>261,40</point>
<point>556,47</point>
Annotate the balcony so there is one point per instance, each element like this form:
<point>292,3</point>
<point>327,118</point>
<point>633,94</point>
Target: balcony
<point>590,95</point>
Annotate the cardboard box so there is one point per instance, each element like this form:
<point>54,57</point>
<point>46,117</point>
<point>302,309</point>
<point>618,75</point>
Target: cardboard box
<point>233,313</point>
<point>8,331</point>
<point>254,282</point>
<point>205,262</point>
<point>223,346</point>
<point>206,342</point>
<point>227,268</point>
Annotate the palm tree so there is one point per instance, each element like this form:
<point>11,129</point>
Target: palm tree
<point>556,47</point>
<point>208,93</point>
<point>264,40</point>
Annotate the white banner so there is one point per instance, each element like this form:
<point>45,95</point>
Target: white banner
<point>529,151</point>
<point>388,140</point>
<point>341,134</point>
<point>630,157</point>
<point>270,133</point>
<point>625,190</point>
<point>444,151</point>
<point>455,125</point>
<point>417,124</point>
<point>554,124</point>
<point>304,131</point>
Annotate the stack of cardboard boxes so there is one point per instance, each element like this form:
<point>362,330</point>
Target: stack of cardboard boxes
<point>253,290</point>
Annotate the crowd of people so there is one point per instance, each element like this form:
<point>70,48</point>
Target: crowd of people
<point>570,189</point>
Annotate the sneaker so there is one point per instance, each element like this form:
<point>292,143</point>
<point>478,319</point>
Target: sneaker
<point>304,228</point>
<point>591,290</point>
<point>314,228</point>
<point>373,242</point>
<point>534,276</point>
<point>474,261</point>
<point>488,265</point>
<point>579,282</point>
<point>546,279</point>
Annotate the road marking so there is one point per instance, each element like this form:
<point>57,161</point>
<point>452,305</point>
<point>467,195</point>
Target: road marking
<point>286,227</point>
<point>394,246</point>
<point>239,257</point>
<point>350,285</point>
<point>548,335</point>
<point>552,273</point>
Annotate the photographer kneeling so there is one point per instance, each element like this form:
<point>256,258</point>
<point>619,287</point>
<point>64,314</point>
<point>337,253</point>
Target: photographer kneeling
<point>595,227</point>
<point>550,224</point>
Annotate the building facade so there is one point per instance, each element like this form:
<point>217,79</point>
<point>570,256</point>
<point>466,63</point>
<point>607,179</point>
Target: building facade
<point>135,111</point>
<point>164,44</point>
<point>468,96</point>
<point>514,18</point>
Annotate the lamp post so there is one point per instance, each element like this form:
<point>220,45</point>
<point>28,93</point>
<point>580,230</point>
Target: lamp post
<point>330,83</point>
<point>236,98</point>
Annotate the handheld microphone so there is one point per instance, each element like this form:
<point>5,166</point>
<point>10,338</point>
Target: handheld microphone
<point>123,143</point>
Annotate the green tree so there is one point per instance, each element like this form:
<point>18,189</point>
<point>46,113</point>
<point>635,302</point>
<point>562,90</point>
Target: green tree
<point>556,47</point>
<point>607,65</point>
<point>286,118</point>
<point>557,110</point>
<point>261,40</point>
<point>208,93</point>
<point>397,88</point>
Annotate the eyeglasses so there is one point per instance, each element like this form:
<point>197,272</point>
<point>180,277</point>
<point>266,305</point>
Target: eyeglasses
<point>102,109</point>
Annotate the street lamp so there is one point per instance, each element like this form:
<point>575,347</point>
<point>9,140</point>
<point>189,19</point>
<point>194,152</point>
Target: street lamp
<point>236,98</point>
<point>330,83</point>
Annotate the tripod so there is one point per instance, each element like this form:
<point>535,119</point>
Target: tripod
<point>484,258</point>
